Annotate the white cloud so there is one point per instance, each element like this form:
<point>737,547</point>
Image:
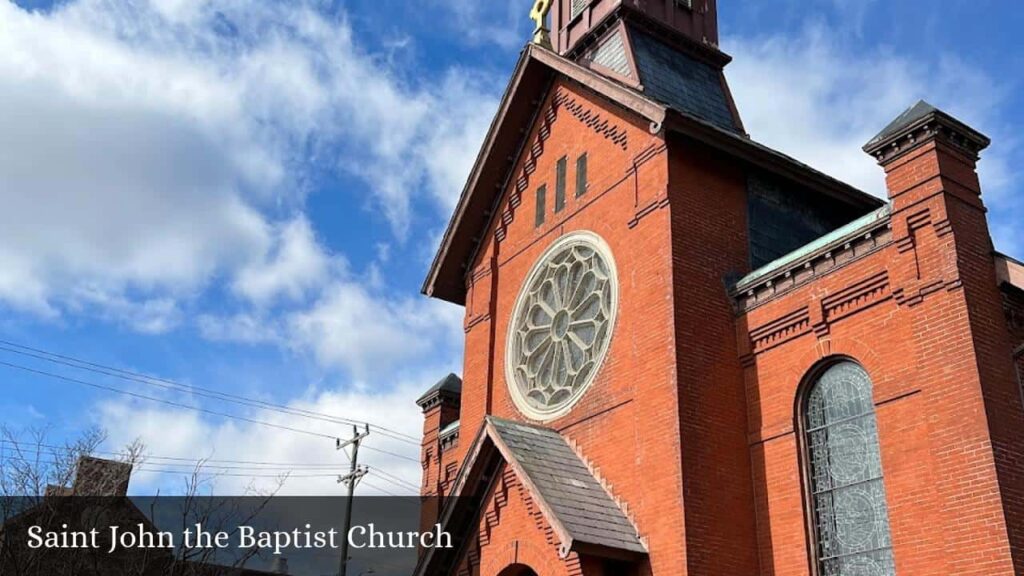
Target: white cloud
<point>146,146</point>
<point>362,332</point>
<point>504,23</point>
<point>815,96</point>
<point>297,264</point>
<point>242,327</point>
<point>198,437</point>
<point>353,326</point>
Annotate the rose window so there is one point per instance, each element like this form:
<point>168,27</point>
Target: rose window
<point>561,326</point>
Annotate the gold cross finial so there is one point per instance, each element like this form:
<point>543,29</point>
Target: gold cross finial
<point>539,14</point>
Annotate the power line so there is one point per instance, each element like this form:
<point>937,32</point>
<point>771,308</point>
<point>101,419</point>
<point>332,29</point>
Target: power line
<point>378,488</point>
<point>409,458</point>
<point>123,374</point>
<point>392,478</point>
<point>202,463</point>
<point>195,408</point>
<point>144,468</point>
<point>60,450</point>
<point>240,475</point>
<point>212,471</point>
<point>167,402</point>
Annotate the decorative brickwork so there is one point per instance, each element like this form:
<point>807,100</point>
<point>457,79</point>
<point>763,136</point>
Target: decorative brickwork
<point>693,423</point>
<point>601,124</point>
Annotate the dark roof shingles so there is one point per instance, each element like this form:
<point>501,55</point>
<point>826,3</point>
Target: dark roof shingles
<point>681,82</point>
<point>582,505</point>
<point>450,383</point>
<point>908,117</point>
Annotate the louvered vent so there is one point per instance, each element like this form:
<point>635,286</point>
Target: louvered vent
<point>577,7</point>
<point>612,55</point>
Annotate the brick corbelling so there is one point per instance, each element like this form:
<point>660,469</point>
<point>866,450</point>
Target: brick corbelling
<point>578,109</point>
<point>861,294</point>
<point>507,535</point>
<point>604,126</point>
<point>922,361</point>
<point>780,330</point>
<point>814,266</point>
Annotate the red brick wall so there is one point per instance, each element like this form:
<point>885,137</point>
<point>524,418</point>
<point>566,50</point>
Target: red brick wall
<point>622,424</point>
<point>947,185</point>
<point>513,531</point>
<point>708,198</point>
<point>691,420</point>
<point>924,318</point>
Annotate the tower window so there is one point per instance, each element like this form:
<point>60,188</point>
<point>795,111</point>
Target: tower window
<point>688,4</point>
<point>847,497</point>
<point>581,175</point>
<point>577,8</point>
<point>560,168</point>
<point>542,193</point>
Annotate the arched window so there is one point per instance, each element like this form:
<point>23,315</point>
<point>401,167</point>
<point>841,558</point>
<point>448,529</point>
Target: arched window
<point>847,497</point>
<point>518,570</point>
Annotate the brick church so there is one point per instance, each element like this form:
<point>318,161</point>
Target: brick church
<point>689,354</point>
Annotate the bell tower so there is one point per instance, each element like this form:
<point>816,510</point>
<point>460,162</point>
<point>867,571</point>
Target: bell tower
<point>575,23</point>
<point>665,49</point>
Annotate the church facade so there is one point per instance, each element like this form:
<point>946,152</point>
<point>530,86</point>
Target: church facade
<point>689,354</point>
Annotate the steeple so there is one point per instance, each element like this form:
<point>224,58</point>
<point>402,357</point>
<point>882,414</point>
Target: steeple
<point>666,49</point>
<point>575,22</point>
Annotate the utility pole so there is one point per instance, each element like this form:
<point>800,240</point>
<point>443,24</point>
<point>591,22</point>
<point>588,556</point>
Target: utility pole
<point>350,480</point>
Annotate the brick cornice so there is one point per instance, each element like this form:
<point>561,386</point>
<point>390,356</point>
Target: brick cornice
<point>936,126</point>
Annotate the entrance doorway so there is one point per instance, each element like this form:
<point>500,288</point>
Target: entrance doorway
<point>518,570</point>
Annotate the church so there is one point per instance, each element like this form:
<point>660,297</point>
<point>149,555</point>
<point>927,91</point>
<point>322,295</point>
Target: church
<point>687,353</point>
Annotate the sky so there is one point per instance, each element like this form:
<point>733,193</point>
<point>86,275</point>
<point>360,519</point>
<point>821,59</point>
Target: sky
<point>244,195</point>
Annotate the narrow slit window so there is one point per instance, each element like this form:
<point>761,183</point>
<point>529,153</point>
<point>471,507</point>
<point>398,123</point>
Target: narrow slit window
<point>542,194</point>
<point>577,8</point>
<point>560,184</point>
<point>581,175</point>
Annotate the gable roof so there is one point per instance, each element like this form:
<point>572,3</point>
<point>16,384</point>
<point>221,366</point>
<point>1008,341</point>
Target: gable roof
<point>580,511</point>
<point>535,72</point>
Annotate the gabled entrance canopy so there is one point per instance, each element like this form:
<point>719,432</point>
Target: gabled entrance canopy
<point>582,514</point>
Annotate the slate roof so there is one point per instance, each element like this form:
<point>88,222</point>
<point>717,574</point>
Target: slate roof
<point>566,486</point>
<point>450,383</point>
<point>681,81</point>
<point>838,236</point>
<point>536,68</point>
<point>908,117</point>
<point>583,515</point>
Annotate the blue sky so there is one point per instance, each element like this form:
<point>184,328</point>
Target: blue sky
<point>244,194</point>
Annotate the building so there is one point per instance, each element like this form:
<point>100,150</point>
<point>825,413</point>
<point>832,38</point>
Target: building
<point>98,500</point>
<point>687,353</point>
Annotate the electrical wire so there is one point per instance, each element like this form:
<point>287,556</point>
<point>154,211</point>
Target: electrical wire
<point>148,461</point>
<point>165,383</point>
<point>393,479</point>
<point>195,408</point>
<point>162,401</point>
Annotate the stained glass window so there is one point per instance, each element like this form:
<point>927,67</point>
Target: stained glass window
<point>848,496</point>
<point>561,325</point>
